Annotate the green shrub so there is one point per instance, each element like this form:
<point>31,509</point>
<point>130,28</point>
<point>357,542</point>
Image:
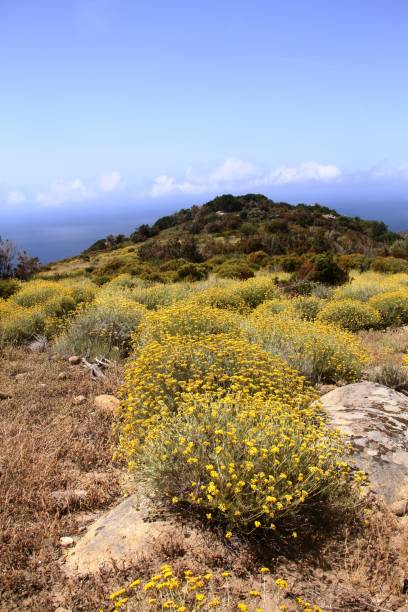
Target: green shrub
<point>350,314</point>
<point>191,272</point>
<point>101,330</point>
<point>307,307</point>
<point>8,286</point>
<point>389,264</point>
<point>234,269</point>
<point>323,269</point>
<point>393,307</point>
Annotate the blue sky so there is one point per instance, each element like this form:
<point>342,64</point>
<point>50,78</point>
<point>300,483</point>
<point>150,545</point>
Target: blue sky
<point>125,108</point>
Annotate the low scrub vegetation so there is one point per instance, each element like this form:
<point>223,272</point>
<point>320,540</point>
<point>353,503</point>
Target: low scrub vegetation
<point>320,351</point>
<point>351,314</point>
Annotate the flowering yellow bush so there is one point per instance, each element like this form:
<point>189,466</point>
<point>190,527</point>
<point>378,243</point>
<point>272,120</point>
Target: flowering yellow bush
<point>307,306</point>
<point>156,380</point>
<point>189,592</point>
<point>101,329</point>
<point>39,306</point>
<point>18,324</point>
<point>275,306</point>
<point>320,351</point>
<point>236,295</point>
<point>247,462</point>
<point>393,307</point>
<point>350,314</point>
<point>185,319</point>
<point>366,285</point>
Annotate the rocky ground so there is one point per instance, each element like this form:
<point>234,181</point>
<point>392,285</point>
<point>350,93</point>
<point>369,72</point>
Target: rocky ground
<point>59,486</point>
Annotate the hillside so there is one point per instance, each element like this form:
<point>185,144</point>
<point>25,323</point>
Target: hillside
<point>250,229</point>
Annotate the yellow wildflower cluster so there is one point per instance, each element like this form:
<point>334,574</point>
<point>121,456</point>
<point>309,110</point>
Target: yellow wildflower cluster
<point>247,461</point>
<point>321,351</point>
<point>187,592</point>
<point>157,379</point>
<point>241,296</point>
<point>36,306</point>
<point>350,314</point>
<point>367,284</point>
<point>393,307</point>
<point>186,319</point>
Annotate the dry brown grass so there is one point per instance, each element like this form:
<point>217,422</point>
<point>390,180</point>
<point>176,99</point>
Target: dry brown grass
<point>386,345</point>
<point>48,444</point>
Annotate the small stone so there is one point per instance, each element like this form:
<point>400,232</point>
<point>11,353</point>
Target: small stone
<point>62,376</point>
<point>66,541</point>
<point>79,399</point>
<point>4,396</point>
<point>20,376</point>
<point>74,360</point>
<point>399,508</point>
<point>106,402</point>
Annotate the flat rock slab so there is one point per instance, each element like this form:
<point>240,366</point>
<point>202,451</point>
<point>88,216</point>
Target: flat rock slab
<point>375,418</point>
<point>123,534</point>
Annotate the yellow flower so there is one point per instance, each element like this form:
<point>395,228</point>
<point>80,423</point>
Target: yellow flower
<point>281,583</point>
<point>254,593</point>
<point>264,570</point>
<point>257,524</point>
<point>117,593</point>
<point>200,597</point>
<point>243,607</point>
<point>228,535</point>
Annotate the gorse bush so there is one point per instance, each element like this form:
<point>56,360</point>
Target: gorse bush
<point>320,351</point>
<point>247,461</point>
<point>393,307</point>
<point>350,314</point>
<point>157,379</point>
<point>185,319</point>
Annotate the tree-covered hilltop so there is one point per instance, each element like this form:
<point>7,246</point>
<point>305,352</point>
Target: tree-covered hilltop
<point>244,224</point>
<point>235,235</point>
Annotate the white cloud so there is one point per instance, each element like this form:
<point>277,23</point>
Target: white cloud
<point>238,174</point>
<point>16,197</point>
<point>65,191</point>
<point>306,171</point>
<point>110,181</point>
<point>232,170</point>
<point>76,190</point>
